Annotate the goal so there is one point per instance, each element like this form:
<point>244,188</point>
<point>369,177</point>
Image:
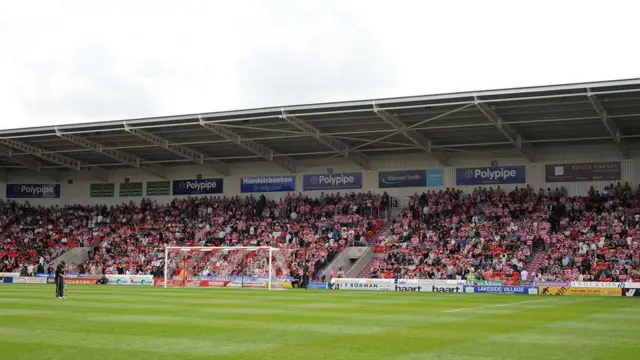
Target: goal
<point>231,267</point>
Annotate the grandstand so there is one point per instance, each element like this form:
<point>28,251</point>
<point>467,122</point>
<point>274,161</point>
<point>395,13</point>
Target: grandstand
<point>513,188</point>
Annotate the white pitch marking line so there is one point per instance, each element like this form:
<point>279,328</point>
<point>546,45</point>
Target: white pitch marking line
<point>497,305</point>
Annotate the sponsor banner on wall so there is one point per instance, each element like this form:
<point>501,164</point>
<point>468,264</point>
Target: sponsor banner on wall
<point>580,291</point>
<point>594,284</point>
<point>600,171</point>
<point>362,284</point>
<point>317,285</point>
<point>29,280</point>
<point>429,288</point>
<point>197,187</point>
<point>484,282</point>
<point>631,292</point>
<point>410,178</point>
<point>78,281</point>
<point>33,191</point>
<point>429,282</point>
<point>434,177</point>
<point>130,280</point>
<point>9,274</point>
<point>491,175</point>
<point>259,184</point>
<point>555,283</point>
<point>238,283</point>
<point>521,290</point>
<point>6,280</point>
<point>332,181</point>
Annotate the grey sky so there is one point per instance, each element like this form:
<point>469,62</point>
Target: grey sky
<point>77,61</point>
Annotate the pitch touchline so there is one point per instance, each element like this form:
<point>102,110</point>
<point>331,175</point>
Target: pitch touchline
<point>497,305</point>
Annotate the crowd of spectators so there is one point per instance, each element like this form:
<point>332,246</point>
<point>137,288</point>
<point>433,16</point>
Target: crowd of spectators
<point>130,238</point>
<point>488,234</point>
<point>491,234</point>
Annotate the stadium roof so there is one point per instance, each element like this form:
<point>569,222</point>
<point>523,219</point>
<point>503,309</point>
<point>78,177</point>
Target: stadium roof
<point>522,118</point>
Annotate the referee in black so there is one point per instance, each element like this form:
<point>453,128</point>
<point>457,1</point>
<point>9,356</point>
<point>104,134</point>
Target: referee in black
<point>60,280</point>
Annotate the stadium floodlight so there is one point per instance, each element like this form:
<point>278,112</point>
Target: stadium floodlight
<point>234,267</point>
<point>413,135</point>
<point>179,150</point>
<point>118,155</point>
<point>256,148</point>
<point>334,144</point>
<point>73,164</point>
<point>610,125</point>
<point>526,149</point>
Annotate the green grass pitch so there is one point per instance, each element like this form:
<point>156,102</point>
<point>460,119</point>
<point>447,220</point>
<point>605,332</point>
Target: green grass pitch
<point>111,322</point>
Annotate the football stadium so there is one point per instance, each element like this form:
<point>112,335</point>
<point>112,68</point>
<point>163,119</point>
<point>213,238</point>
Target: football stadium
<point>485,225</point>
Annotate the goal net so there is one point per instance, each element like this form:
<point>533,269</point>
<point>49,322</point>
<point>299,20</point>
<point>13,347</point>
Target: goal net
<point>231,267</point>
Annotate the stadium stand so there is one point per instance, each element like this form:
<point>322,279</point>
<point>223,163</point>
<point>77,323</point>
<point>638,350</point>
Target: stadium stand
<point>130,239</point>
<point>494,235</point>
<point>489,234</point>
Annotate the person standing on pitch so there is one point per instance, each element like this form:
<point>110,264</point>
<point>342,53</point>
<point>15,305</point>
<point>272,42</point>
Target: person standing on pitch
<point>60,281</point>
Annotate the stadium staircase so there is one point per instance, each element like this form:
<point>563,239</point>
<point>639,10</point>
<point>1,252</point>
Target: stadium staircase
<point>75,256</point>
<point>536,262</point>
<point>374,263</point>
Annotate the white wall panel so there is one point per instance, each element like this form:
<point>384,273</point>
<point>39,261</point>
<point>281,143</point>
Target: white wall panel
<point>78,192</point>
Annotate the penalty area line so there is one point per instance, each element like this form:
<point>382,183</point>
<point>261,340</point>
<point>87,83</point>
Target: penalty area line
<point>492,306</point>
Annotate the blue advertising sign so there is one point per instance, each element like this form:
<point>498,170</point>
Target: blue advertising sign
<point>317,285</point>
<point>268,184</point>
<point>332,181</point>
<point>434,177</point>
<point>523,290</point>
<point>35,191</point>
<point>409,178</point>
<point>197,187</point>
<point>491,175</point>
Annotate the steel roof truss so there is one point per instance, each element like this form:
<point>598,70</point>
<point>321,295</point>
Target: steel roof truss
<point>73,164</point>
<point>526,149</point>
<point>609,124</point>
<point>179,150</point>
<point>21,159</point>
<point>252,146</point>
<point>337,145</point>
<point>414,136</point>
<point>118,155</point>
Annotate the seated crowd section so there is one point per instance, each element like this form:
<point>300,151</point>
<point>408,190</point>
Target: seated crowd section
<point>130,239</point>
<point>517,236</point>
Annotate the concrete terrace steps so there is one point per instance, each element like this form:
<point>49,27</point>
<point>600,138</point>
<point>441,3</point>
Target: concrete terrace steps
<point>375,262</point>
<point>536,262</point>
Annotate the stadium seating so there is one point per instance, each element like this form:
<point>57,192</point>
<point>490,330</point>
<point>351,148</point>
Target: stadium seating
<point>488,234</point>
<point>130,238</point>
<point>495,235</point>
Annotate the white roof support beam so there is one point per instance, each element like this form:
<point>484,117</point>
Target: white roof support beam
<point>65,161</point>
<point>21,159</point>
<point>337,145</point>
<point>526,149</point>
<point>256,148</point>
<point>414,136</point>
<point>609,124</point>
<point>133,161</point>
<point>179,150</point>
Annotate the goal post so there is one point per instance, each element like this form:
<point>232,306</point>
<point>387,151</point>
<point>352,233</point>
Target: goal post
<point>233,267</point>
